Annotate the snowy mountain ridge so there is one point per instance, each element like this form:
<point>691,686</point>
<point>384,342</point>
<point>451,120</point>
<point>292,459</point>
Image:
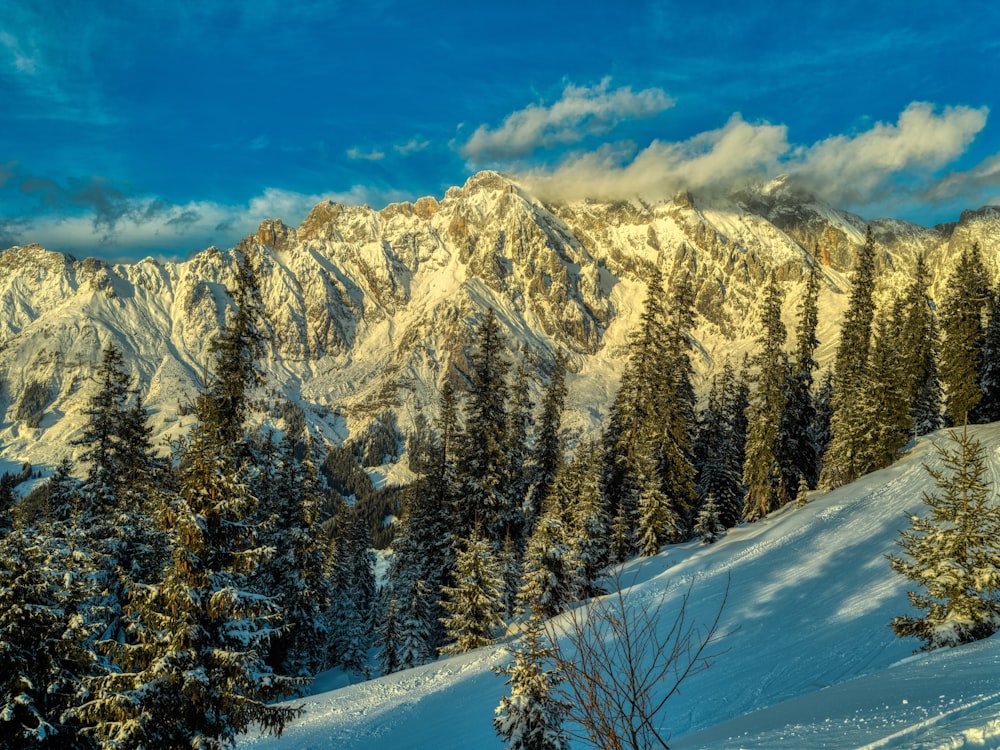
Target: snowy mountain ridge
<point>371,311</point>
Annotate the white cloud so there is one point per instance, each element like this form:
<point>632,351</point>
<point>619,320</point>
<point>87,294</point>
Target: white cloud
<point>152,225</point>
<point>580,112</point>
<point>721,158</point>
<point>983,179</point>
<point>412,146</point>
<point>854,169</point>
<point>356,154</point>
<point>901,160</point>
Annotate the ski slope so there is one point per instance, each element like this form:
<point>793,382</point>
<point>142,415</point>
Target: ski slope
<point>809,661</point>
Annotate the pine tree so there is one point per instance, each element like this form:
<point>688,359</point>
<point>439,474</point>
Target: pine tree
<point>654,510</point>
<point>548,454</point>
<point>963,335</point>
<point>353,595</point>
<point>719,449</point>
<point>797,450</point>
<point>295,573</point>
<point>885,413</point>
<point>387,637</point>
<point>847,438</point>
<point>193,672</point>
<point>953,553</point>
<point>587,525</point>
<point>530,718</point>
<point>235,353</point>
<point>708,526</point>
<point>916,344</point>
<point>44,643</point>
<point>765,488</point>
<point>483,464</point>
<point>548,580</point>
<point>474,604</point>
<point>520,424</point>
<point>988,409</point>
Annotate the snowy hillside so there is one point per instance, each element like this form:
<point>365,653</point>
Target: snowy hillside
<point>370,311</point>
<point>810,660</point>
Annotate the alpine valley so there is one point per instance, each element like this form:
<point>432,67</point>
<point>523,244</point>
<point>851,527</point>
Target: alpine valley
<point>369,312</point>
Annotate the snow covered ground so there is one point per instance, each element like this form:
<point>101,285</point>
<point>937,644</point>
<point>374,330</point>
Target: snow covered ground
<point>810,660</point>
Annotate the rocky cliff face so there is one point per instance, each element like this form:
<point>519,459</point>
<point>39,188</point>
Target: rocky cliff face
<point>369,311</point>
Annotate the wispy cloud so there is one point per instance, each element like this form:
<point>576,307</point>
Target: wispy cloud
<point>735,153</point>
<point>902,159</point>
<point>412,146</point>
<point>580,112</point>
<point>110,223</point>
<point>357,154</point>
<point>852,169</point>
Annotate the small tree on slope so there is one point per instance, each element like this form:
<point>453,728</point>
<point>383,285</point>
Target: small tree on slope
<point>530,718</point>
<point>953,553</point>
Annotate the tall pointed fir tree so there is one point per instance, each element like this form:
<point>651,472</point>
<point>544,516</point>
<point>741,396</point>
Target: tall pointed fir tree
<point>520,425</point>
<point>474,604</point>
<point>797,451</point>
<point>953,553</point>
<point>531,717</point>
<point>295,573</point>
<point>765,488</point>
<point>637,405</point>
<point>548,452</point>
<point>988,409</point>
<point>963,335</point>
<point>916,343</point>
<point>193,671</point>
<point>548,580</point>
<point>423,552</point>
<point>847,437</point>
<point>353,593</point>
<point>719,447</point>
<point>45,642</point>
<point>885,413</point>
<point>678,412</point>
<point>587,523</point>
<point>483,466</point>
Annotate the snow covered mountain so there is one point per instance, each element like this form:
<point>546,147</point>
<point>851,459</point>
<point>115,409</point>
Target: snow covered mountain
<point>809,659</point>
<point>370,311</point>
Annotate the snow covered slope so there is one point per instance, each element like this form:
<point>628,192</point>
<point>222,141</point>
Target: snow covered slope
<point>810,660</point>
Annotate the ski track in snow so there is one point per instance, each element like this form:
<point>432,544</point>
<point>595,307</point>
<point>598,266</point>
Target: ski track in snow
<point>809,659</point>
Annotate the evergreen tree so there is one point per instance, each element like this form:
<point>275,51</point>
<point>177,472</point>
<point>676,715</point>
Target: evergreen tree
<point>353,596</point>
<point>963,335</point>
<point>916,345</point>
<point>548,454</point>
<point>587,525</point>
<point>797,450</point>
<point>415,631</point>
<point>483,465</point>
<point>548,580</point>
<point>953,553</point>
<point>719,448</point>
<point>193,674</point>
<point>193,671</point>
<point>474,605</point>
<point>295,573</point>
<point>530,718</point>
<point>885,413</point>
<point>841,461</point>
<point>988,409</point>
<point>765,488</point>
<point>236,351</point>
<point>43,641</point>
<point>708,526</point>
<point>655,520</point>
<point>820,428</point>
<point>520,424</point>
<point>387,637</point>
<point>678,413</point>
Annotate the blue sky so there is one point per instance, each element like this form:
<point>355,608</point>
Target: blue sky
<point>134,128</point>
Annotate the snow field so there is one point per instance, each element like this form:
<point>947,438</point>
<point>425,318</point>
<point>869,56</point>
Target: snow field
<point>809,659</point>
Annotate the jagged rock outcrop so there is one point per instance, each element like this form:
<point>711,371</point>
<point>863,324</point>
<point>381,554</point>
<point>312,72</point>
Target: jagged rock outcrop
<point>372,310</point>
